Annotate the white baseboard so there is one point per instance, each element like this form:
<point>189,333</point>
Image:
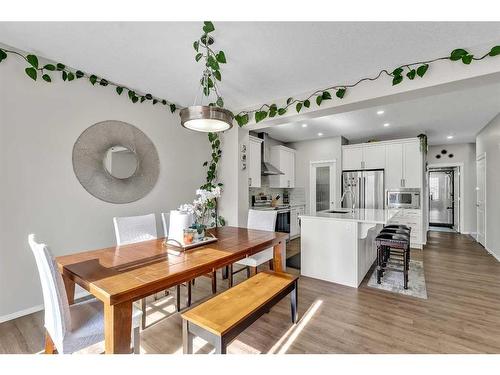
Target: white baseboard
<point>492,254</point>
<point>34,309</point>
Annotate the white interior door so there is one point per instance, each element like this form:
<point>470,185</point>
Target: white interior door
<point>322,186</point>
<point>481,199</point>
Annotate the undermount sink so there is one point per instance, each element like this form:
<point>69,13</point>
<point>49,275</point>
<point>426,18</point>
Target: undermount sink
<point>337,212</point>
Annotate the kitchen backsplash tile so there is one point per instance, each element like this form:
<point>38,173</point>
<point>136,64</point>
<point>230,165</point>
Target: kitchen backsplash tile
<point>297,196</point>
<point>266,190</point>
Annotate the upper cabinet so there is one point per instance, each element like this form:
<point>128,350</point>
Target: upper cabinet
<point>404,165</point>
<point>352,157</point>
<point>413,165</point>
<point>374,156</point>
<point>393,174</point>
<point>283,158</point>
<point>254,158</point>
<point>364,156</point>
<point>401,160</point>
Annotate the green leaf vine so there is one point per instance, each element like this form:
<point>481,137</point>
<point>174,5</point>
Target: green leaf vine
<point>211,75</point>
<point>397,75</point>
<point>46,72</point>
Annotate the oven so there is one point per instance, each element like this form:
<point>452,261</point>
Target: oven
<point>403,198</point>
<point>283,221</point>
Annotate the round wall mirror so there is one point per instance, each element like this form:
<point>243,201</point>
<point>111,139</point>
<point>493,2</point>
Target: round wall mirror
<point>120,162</point>
<point>116,162</point>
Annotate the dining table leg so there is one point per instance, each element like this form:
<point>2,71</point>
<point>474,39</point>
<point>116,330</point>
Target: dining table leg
<point>117,328</point>
<point>279,257</point>
<point>69,285</point>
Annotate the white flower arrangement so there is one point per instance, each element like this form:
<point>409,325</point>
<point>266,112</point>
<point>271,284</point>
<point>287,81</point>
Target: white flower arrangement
<point>203,206</point>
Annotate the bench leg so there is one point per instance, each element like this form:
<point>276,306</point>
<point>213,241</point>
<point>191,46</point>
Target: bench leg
<point>293,303</point>
<point>220,346</point>
<point>187,338</point>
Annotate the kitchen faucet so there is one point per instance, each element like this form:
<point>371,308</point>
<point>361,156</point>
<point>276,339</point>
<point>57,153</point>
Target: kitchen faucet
<point>349,190</point>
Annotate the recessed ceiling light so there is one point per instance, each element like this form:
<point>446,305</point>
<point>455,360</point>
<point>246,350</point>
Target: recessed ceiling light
<point>381,112</point>
<point>386,124</point>
<point>450,137</point>
<point>304,125</point>
<point>320,134</point>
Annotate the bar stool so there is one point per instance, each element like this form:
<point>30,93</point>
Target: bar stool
<point>397,252</point>
<point>387,241</point>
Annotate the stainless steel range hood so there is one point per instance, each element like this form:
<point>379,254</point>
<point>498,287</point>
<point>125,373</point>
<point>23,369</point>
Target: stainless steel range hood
<point>267,169</point>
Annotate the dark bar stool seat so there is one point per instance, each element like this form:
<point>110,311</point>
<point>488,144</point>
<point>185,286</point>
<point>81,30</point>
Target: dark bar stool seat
<point>397,226</point>
<point>398,253</point>
<point>386,242</point>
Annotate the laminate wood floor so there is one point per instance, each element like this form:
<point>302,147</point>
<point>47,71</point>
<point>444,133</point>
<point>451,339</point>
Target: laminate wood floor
<point>461,315</point>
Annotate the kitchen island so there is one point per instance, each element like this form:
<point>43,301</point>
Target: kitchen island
<point>339,246</point>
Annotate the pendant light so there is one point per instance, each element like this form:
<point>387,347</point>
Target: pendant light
<point>204,118</point>
<point>210,118</point>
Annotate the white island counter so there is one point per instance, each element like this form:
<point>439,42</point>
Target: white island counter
<point>339,247</point>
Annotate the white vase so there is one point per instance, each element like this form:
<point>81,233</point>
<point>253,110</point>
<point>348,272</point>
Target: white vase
<point>178,222</point>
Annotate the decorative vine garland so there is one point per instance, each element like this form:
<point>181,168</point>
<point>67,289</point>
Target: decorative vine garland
<point>412,71</point>
<point>35,70</point>
<point>212,74</point>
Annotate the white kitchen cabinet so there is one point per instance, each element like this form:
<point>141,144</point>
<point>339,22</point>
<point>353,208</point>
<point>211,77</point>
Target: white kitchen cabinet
<point>393,174</point>
<point>352,158</point>
<point>374,156</point>
<point>295,212</point>
<point>365,156</point>
<point>254,157</point>
<point>283,158</point>
<point>403,165</point>
<point>412,165</point>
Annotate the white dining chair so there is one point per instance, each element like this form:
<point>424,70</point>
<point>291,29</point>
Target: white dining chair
<point>165,219</point>
<point>133,229</point>
<point>261,220</point>
<point>70,328</point>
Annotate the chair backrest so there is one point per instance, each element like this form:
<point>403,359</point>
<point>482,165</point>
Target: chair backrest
<point>262,220</point>
<point>165,220</point>
<point>55,300</point>
<point>134,229</point>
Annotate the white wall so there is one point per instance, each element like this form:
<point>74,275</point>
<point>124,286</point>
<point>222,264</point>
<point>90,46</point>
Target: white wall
<point>462,153</point>
<point>315,150</point>
<point>488,141</point>
<point>39,193</point>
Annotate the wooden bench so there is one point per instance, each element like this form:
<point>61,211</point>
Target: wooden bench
<point>222,318</point>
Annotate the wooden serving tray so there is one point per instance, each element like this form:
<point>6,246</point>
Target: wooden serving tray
<point>178,247</point>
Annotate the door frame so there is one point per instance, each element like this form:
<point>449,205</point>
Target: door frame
<point>312,185</point>
<point>461,195</point>
<point>478,158</point>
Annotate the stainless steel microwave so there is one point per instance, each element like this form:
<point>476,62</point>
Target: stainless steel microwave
<point>403,198</point>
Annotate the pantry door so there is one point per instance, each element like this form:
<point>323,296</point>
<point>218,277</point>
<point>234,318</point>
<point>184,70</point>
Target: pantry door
<point>322,186</point>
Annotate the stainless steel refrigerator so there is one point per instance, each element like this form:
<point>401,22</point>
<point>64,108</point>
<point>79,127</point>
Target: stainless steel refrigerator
<point>367,188</point>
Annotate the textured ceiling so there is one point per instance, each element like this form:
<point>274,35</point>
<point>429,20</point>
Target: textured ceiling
<point>266,60</point>
<point>271,60</point>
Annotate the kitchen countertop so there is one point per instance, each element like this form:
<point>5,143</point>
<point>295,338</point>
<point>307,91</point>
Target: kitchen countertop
<point>360,215</point>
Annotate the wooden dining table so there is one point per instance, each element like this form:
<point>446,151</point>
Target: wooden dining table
<point>121,275</point>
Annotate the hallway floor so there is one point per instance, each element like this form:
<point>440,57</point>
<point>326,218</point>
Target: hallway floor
<point>459,316</point>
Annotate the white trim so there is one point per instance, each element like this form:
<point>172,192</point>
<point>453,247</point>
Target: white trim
<point>492,253</point>
<point>478,158</point>
<point>461,197</point>
<point>34,309</point>
<point>392,141</point>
